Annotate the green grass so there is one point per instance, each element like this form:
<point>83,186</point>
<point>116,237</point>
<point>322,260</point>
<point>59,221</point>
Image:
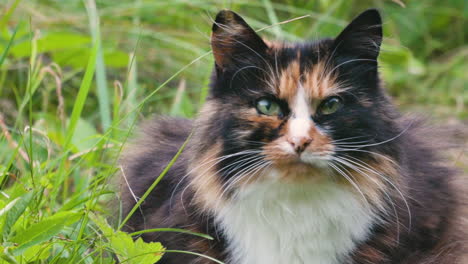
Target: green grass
<point>77,76</point>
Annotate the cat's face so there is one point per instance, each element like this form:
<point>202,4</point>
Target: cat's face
<point>300,110</point>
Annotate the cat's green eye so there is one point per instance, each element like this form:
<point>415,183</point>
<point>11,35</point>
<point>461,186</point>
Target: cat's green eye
<point>268,107</point>
<point>330,105</point>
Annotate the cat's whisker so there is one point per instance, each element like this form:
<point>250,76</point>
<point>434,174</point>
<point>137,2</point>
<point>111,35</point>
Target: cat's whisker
<point>248,156</point>
<point>348,138</point>
<point>385,141</point>
<point>371,169</point>
<point>352,143</point>
<point>249,173</point>
<point>216,160</point>
<point>391,201</point>
<point>235,178</point>
<point>339,149</point>
<point>342,173</point>
<point>241,174</point>
<point>382,188</point>
<point>215,174</point>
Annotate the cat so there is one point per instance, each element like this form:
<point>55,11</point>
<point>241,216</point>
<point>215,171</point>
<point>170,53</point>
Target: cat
<point>297,156</point>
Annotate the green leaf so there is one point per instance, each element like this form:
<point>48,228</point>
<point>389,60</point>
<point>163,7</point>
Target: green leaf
<point>145,253</point>
<point>115,58</point>
<point>20,205</point>
<point>6,255</point>
<point>80,199</point>
<point>8,207</point>
<point>37,252</point>
<point>126,249</point>
<point>44,230</point>
<point>8,13</point>
<point>105,228</point>
<point>53,42</point>
<point>85,139</point>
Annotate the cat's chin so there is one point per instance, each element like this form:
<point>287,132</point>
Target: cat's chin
<point>301,169</point>
<point>314,160</point>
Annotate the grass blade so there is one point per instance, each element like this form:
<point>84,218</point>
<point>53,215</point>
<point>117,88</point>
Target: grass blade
<point>7,49</point>
<point>158,179</point>
<point>177,230</point>
<point>82,95</point>
<point>101,80</point>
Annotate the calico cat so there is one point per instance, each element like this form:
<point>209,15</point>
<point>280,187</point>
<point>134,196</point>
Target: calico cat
<point>298,156</point>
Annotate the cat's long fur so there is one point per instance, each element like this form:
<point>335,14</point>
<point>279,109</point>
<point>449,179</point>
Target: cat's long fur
<point>390,200</point>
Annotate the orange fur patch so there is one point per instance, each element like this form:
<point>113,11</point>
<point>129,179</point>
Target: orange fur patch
<point>277,45</point>
<point>205,181</point>
<point>289,81</point>
<point>320,142</point>
<point>370,183</point>
<point>272,122</point>
<point>318,81</point>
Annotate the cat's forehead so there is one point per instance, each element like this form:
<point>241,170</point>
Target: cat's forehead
<point>308,66</point>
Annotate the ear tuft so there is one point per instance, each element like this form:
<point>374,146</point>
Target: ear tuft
<point>233,41</point>
<point>362,37</point>
<point>226,17</point>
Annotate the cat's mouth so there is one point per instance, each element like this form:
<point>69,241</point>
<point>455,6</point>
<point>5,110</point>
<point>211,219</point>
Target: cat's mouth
<point>300,166</point>
<point>313,156</point>
<point>319,160</point>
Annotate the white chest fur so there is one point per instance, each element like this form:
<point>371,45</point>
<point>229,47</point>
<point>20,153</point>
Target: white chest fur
<point>294,223</point>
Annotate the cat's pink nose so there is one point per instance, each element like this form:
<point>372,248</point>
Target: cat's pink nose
<point>299,143</point>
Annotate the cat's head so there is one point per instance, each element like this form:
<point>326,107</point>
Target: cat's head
<point>294,111</point>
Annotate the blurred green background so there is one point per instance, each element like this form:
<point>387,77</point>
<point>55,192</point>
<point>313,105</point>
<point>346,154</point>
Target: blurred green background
<point>423,59</point>
<point>77,75</point>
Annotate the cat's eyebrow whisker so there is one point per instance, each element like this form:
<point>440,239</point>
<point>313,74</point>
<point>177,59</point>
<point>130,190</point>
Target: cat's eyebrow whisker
<point>245,68</point>
<point>276,64</point>
<point>349,61</point>
<point>256,53</point>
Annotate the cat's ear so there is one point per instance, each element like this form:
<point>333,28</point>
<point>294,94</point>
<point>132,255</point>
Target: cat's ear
<point>362,37</point>
<point>234,42</point>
